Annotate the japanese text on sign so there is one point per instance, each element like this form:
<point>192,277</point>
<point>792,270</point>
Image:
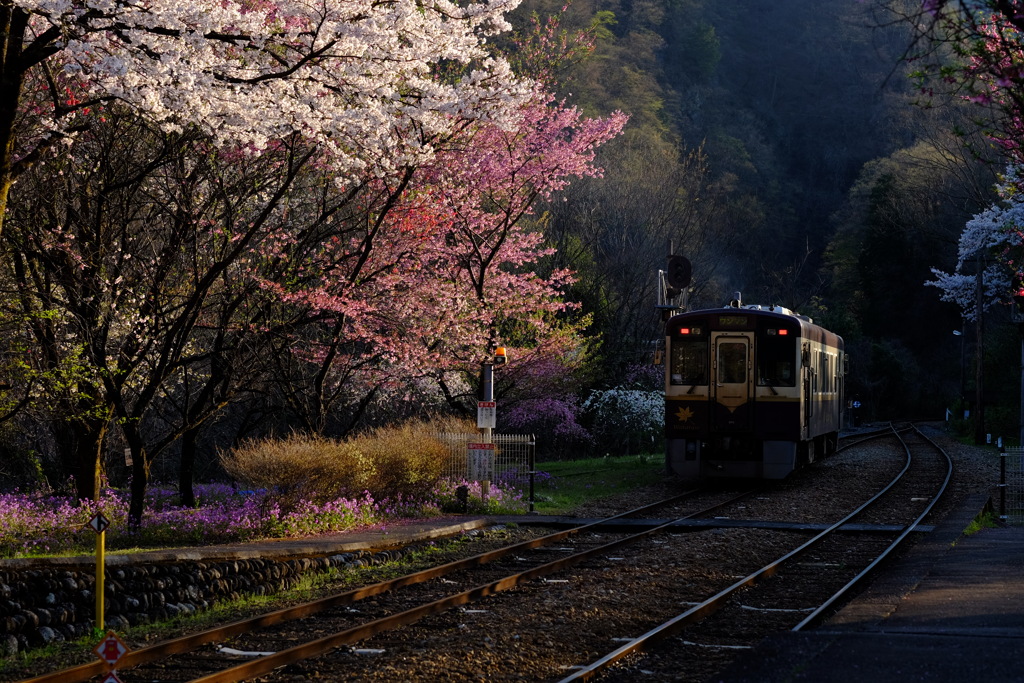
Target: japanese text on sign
<point>486,414</point>
<point>481,461</point>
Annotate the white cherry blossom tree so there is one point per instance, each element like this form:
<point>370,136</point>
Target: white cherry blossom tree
<point>996,236</point>
<point>376,85</point>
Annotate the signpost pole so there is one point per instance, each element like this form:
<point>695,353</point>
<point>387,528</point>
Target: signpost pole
<point>487,397</point>
<point>99,524</point>
<point>486,413</point>
<point>101,561</point>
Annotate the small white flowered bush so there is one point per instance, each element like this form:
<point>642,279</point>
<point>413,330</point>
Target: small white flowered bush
<point>626,418</point>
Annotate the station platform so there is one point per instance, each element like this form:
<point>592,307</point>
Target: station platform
<point>951,610</point>
<point>378,538</point>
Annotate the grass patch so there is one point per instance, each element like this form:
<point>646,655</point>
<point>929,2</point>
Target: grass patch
<point>567,484</point>
<point>986,520</point>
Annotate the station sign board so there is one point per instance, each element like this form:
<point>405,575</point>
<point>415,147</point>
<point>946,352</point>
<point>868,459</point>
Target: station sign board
<point>486,414</point>
<point>481,461</point>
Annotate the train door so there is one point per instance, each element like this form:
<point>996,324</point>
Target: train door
<point>732,385</point>
<point>810,390</point>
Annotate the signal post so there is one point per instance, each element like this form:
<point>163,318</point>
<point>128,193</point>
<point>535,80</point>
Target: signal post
<point>481,455</point>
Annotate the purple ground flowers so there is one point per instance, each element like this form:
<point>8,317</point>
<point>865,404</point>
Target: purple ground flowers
<point>33,524</point>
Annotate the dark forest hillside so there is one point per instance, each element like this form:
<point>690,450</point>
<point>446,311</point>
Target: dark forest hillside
<point>779,146</point>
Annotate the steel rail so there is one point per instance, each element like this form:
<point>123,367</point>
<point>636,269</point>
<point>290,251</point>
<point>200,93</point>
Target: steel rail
<point>268,663</point>
<point>815,617</point>
<point>84,672</point>
<point>871,436</point>
<point>715,602</point>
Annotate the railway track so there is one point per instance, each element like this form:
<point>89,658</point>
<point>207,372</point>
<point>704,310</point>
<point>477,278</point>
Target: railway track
<point>807,583</point>
<point>571,581</point>
<point>355,615</point>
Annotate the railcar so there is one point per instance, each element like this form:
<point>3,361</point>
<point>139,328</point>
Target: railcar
<point>750,391</point>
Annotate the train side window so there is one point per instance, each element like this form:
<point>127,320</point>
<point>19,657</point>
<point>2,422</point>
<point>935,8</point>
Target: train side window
<point>689,362</point>
<point>776,360</point>
<point>825,376</point>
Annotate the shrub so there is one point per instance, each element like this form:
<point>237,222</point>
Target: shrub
<point>386,462</point>
<point>621,417</point>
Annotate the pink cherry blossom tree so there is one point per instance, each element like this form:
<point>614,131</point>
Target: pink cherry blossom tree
<point>453,274</point>
<point>973,50</point>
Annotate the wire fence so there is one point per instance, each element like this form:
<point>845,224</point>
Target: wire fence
<point>1011,497</point>
<point>509,457</point>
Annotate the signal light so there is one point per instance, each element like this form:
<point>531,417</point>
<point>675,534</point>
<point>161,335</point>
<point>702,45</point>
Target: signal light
<point>500,357</point>
<point>684,330</point>
<point>783,333</point>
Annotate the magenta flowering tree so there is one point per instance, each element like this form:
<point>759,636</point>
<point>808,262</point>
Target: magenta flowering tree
<point>974,50</point>
<point>453,271</point>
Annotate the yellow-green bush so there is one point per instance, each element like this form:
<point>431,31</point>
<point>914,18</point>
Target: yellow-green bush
<point>389,461</point>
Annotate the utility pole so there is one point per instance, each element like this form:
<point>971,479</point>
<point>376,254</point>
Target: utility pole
<point>979,364</point>
<point>1017,315</point>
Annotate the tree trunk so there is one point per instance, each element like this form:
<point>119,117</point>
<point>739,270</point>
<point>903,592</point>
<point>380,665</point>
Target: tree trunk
<point>140,475</point>
<point>186,470</point>
<point>80,450</point>
<point>11,79</point>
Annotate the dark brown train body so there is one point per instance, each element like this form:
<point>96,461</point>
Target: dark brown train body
<point>750,391</point>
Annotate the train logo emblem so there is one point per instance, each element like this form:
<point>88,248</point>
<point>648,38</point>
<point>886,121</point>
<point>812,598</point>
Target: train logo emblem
<point>684,414</point>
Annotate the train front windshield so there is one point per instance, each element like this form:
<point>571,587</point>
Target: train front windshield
<point>689,362</point>
<point>776,361</point>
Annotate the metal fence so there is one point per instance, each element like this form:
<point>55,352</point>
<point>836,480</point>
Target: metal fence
<point>513,456</point>
<point>1011,496</point>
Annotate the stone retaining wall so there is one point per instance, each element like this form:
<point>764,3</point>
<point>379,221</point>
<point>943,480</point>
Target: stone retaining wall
<point>44,604</point>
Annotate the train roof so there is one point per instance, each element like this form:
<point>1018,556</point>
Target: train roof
<point>807,326</point>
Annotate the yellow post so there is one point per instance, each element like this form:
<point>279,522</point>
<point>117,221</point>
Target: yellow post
<point>100,571</point>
